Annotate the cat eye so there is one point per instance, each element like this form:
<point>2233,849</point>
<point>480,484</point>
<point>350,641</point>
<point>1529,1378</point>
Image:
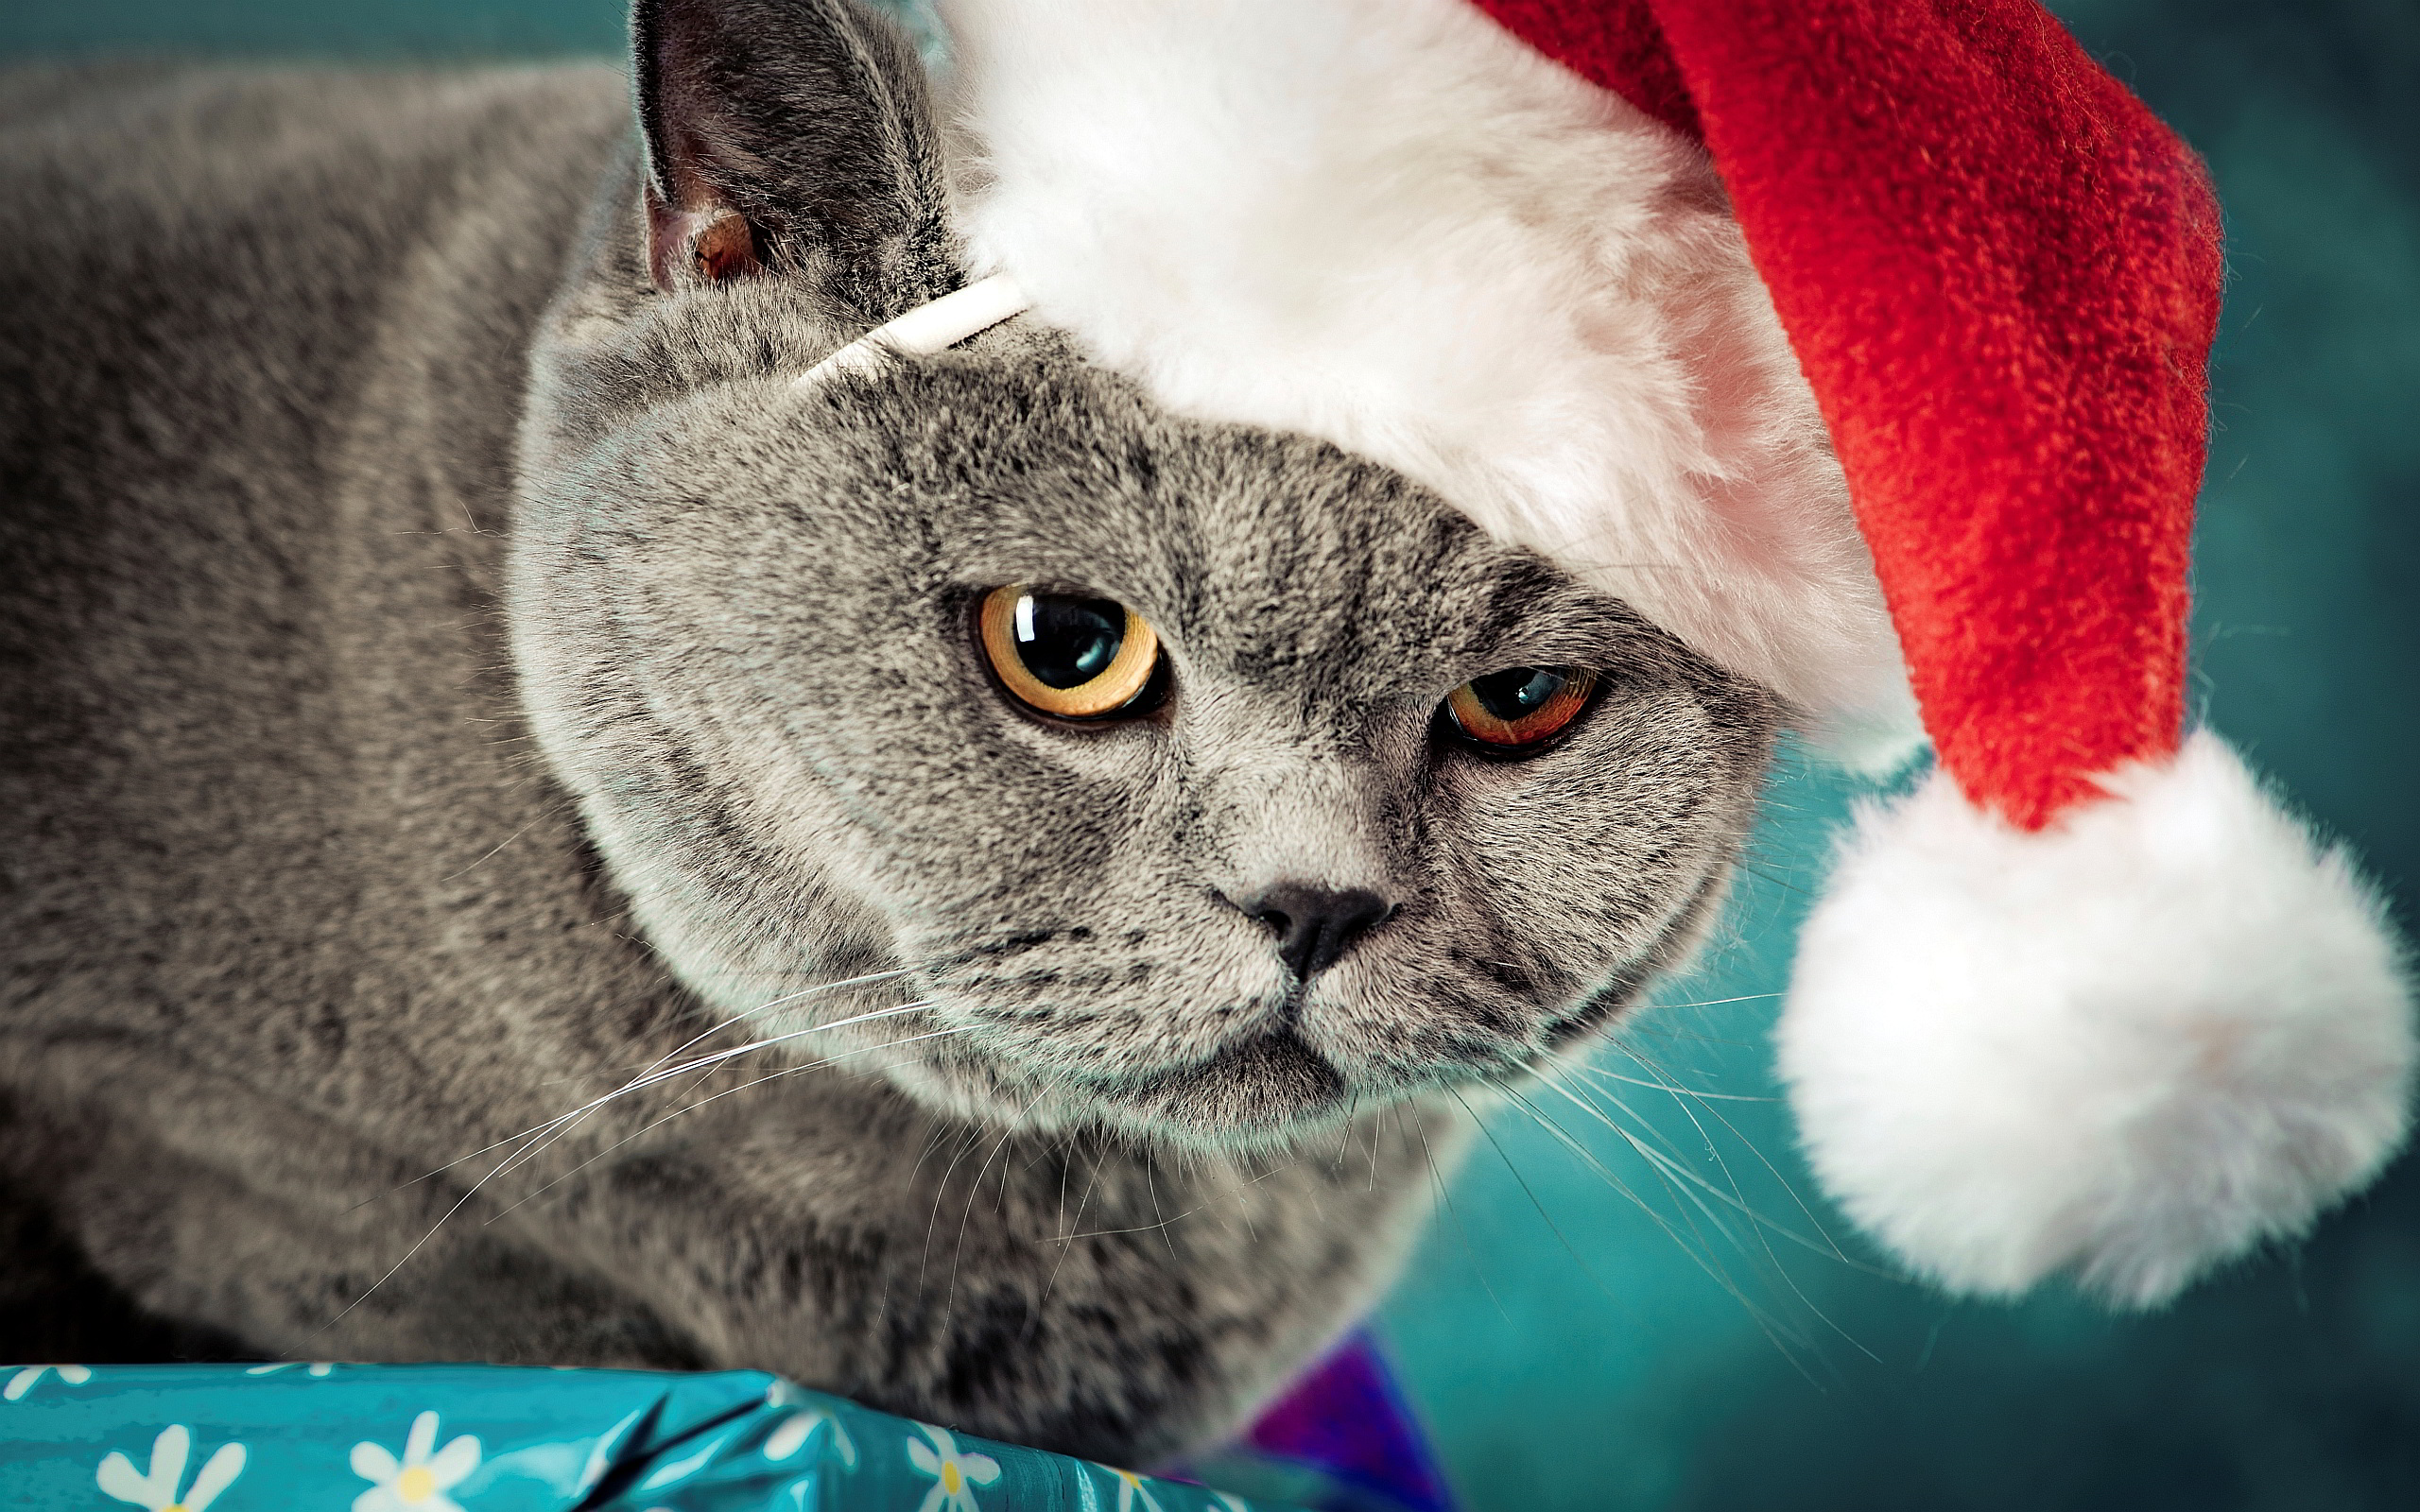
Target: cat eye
<point>1068,656</point>
<point>1519,707</point>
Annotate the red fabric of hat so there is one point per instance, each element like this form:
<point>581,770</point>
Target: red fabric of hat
<point>2000,272</point>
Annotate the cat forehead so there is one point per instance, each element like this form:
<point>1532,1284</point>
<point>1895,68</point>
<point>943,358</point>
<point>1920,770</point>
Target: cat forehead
<point>1024,464</point>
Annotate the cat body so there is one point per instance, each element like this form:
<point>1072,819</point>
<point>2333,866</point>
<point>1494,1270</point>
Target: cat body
<point>455,670</point>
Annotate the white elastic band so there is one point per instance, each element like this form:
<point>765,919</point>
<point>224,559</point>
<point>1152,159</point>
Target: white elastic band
<point>928,328</point>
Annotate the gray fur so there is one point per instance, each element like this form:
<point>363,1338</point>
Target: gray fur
<point>446,672</point>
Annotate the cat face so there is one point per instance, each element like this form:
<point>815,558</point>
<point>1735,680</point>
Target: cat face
<point>1277,882</point>
<point>756,632</point>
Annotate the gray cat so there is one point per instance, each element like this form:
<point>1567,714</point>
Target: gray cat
<point>453,670</point>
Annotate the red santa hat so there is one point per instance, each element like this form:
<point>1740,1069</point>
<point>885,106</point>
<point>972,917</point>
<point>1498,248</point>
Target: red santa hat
<point>1861,344</point>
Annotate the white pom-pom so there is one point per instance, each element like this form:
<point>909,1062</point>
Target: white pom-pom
<point>2128,1047</point>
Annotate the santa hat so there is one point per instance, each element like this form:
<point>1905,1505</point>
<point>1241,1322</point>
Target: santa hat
<point>1862,346</point>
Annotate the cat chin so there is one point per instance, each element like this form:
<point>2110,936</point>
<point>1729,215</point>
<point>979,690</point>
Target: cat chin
<point>1264,1095</point>
<point>1267,1090</point>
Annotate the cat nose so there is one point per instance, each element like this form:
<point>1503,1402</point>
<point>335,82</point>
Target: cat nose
<point>1314,925</point>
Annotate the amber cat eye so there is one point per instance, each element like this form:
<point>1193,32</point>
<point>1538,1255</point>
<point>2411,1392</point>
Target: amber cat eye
<point>1519,706</point>
<point>1069,656</point>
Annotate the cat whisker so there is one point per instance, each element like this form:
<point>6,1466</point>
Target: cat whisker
<point>1438,1194</point>
<point>1830,1246</point>
<point>1784,1338</point>
<point>1692,1093</point>
<point>745,1014</point>
<point>1523,1183</point>
<point>1716,1002</point>
<point>657,1076</point>
<point>649,1074</point>
<point>1763,1227</point>
<point>1158,1227</point>
<point>1666,1163</point>
<point>940,1190</point>
<point>691,1108</point>
<point>1344,1132</point>
<point>974,1190</point>
<point>1064,1239</point>
<point>1700,1252</point>
<point>1151,1185</point>
<point>1671,1165</point>
<point>543,1135</point>
<point>1648,1028</point>
<point>1776,878</point>
<point>494,850</point>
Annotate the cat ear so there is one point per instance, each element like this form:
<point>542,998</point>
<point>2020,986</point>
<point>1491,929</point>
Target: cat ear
<point>791,137</point>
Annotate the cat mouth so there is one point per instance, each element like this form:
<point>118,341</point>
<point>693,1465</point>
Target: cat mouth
<point>1266,1082</point>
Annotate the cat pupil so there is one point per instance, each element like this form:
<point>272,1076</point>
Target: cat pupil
<point>1516,692</point>
<point>1067,642</point>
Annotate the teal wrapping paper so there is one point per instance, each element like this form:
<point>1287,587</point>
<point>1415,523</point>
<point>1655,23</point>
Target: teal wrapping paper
<point>301,1438</point>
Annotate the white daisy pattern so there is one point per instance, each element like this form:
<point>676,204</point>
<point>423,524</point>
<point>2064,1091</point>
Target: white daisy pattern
<point>23,1381</point>
<point>955,1475</point>
<point>419,1481</point>
<point>156,1491</point>
<point>317,1367</point>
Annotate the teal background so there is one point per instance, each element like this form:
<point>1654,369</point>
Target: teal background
<point>1589,1326</point>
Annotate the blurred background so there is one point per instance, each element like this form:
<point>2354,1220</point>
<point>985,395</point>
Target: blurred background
<point>1632,1297</point>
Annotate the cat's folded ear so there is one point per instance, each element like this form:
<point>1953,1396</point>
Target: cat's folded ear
<point>791,137</point>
